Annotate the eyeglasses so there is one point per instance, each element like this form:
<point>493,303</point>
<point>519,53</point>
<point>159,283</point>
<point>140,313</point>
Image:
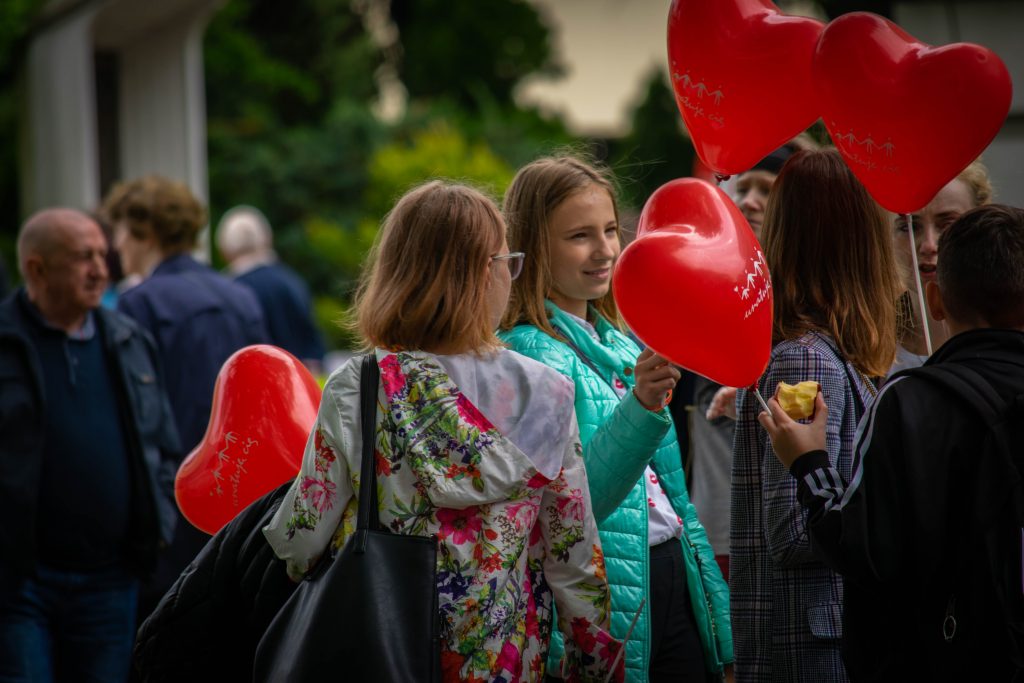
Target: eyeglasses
<point>515,262</point>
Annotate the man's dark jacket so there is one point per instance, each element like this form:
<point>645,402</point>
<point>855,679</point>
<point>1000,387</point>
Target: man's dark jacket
<point>907,533</point>
<point>149,434</point>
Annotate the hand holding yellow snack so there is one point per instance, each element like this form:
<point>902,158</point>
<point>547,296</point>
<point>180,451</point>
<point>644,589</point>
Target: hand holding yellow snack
<point>797,399</point>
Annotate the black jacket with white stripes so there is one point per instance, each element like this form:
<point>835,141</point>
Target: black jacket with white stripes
<point>905,532</point>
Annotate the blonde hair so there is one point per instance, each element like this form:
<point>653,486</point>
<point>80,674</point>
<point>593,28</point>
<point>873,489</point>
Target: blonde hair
<point>152,204</point>
<point>425,285</point>
<point>975,177</point>
<point>829,250</point>
<point>536,191</point>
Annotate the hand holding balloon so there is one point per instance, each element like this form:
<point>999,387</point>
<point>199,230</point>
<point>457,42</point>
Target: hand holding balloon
<point>655,378</point>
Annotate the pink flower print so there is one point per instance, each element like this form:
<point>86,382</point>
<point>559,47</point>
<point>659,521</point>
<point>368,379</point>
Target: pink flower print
<point>531,623</point>
<point>324,454</point>
<point>461,525</point>
<point>608,651</point>
<point>572,506</point>
<point>535,535</point>
<point>510,660</point>
<point>471,414</point>
<point>391,375</point>
<point>650,502</point>
<point>619,384</point>
<point>319,492</point>
<point>654,478</point>
<point>679,519</point>
<point>582,634</point>
<point>537,481</point>
<point>513,510</point>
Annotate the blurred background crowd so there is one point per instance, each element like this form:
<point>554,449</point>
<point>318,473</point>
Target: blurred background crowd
<point>320,113</point>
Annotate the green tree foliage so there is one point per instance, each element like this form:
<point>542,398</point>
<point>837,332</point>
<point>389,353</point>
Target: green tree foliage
<point>656,150</point>
<point>469,51</point>
<point>289,89</point>
<point>439,151</point>
<point>292,130</point>
<point>15,21</point>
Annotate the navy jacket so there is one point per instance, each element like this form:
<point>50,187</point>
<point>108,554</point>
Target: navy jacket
<point>198,319</point>
<point>151,439</point>
<point>287,308</point>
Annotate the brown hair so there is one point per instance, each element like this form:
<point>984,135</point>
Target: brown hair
<point>979,271</point>
<point>830,253</point>
<point>536,191</point>
<point>152,204</point>
<point>425,283</point>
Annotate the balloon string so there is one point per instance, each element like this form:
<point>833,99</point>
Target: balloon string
<point>920,286</point>
<point>760,399</point>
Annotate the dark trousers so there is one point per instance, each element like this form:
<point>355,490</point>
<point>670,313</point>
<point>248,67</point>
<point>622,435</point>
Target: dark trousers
<point>676,652</point>
<point>69,626</point>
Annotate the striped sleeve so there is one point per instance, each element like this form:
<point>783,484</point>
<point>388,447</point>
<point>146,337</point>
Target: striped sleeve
<point>855,526</point>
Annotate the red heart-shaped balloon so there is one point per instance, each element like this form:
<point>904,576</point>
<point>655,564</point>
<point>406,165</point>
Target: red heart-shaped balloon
<point>264,404</point>
<point>694,285</point>
<point>741,71</point>
<point>907,117</point>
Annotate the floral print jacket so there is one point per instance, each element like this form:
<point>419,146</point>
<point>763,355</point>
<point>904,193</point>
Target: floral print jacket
<point>511,541</point>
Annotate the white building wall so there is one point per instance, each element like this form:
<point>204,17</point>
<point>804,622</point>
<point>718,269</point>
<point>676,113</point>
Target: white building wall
<point>61,161</point>
<point>163,105</point>
<point>162,110</point>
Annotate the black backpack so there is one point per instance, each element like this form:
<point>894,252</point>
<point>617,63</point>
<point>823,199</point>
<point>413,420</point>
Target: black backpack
<point>988,590</point>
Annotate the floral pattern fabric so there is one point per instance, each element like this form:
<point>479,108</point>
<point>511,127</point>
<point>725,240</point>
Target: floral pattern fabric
<point>511,542</point>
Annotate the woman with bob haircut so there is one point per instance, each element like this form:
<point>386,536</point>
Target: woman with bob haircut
<point>475,444</point>
<point>830,254</point>
<point>970,189</point>
<point>661,569</point>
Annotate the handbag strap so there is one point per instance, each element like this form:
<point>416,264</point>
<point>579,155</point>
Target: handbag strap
<point>368,516</point>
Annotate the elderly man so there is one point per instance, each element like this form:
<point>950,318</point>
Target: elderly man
<point>87,446</point>
<point>246,242</point>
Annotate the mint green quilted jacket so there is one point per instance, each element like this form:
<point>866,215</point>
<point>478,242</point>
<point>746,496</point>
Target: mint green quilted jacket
<point>619,439</point>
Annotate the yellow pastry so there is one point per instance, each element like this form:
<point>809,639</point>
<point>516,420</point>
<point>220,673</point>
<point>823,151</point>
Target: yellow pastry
<point>797,399</point>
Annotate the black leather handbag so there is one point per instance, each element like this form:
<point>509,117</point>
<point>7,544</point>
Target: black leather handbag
<point>369,613</point>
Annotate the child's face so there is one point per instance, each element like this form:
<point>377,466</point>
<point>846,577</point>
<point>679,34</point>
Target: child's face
<point>583,244</point>
<point>929,224</point>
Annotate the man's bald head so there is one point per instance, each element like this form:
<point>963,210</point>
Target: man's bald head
<point>62,256</point>
<point>45,232</point>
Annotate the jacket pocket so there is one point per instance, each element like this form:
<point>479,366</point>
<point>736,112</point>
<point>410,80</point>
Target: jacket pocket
<point>826,620</point>
<point>147,401</point>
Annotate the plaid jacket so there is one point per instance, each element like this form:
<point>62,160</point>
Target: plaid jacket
<point>786,606</point>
